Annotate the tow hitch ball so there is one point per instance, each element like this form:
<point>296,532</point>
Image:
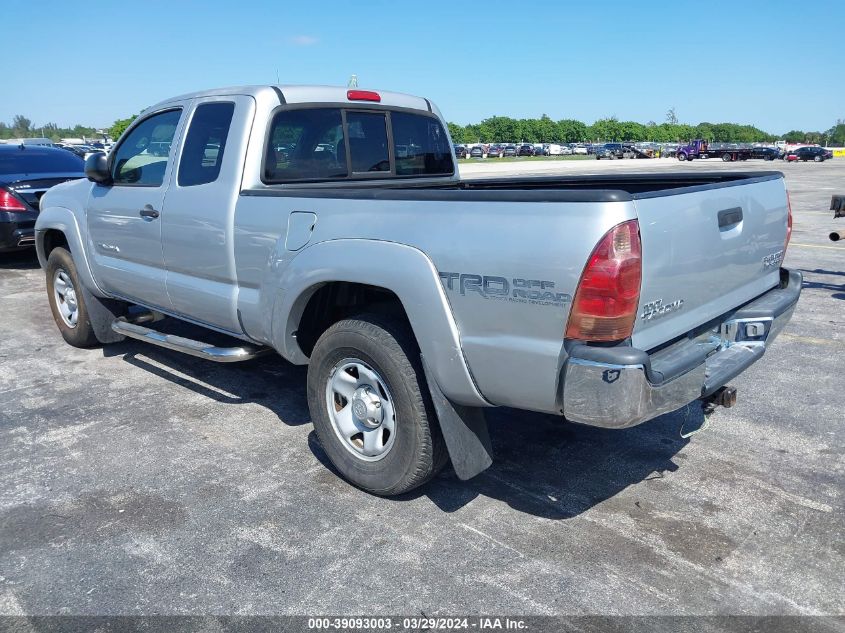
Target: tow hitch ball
<point>722,397</point>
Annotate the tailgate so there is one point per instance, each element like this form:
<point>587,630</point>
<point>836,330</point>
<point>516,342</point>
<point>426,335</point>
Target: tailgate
<point>706,250</point>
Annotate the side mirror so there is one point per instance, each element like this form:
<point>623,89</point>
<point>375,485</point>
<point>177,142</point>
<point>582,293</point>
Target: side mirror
<point>97,169</point>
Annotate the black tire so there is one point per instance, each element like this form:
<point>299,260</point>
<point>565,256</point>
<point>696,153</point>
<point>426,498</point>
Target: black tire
<point>682,157</point>
<point>818,159</point>
<point>726,158</point>
<point>81,334</point>
<point>388,347</point>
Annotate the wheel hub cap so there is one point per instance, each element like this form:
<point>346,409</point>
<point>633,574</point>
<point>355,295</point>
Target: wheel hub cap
<point>366,406</point>
<point>64,295</point>
<point>361,409</point>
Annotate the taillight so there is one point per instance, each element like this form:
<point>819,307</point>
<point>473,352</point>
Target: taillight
<point>10,202</point>
<point>788,224</point>
<point>363,95</point>
<point>605,304</point>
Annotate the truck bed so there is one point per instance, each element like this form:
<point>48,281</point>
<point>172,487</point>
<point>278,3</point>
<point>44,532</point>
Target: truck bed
<point>580,188</point>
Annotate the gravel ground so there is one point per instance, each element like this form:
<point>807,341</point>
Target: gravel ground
<point>134,480</point>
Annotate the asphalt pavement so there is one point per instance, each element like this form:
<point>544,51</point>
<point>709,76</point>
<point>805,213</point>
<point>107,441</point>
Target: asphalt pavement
<point>134,480</point>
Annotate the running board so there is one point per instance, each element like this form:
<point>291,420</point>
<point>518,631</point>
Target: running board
<point>186,345</point>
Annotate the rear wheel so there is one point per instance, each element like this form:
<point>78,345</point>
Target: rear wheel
<point>67,303</point>
<point>726,158</point>
<point>370,405</point>
<point>818,159</point>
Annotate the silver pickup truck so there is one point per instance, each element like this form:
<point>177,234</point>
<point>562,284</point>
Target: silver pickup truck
<point>331,226</point>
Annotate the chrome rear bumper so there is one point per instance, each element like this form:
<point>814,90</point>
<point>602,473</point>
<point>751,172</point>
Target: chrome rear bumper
<point>600,392</point>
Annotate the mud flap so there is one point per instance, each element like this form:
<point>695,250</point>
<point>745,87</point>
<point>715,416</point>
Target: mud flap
<point>464,429</point>
<point>101,313</point>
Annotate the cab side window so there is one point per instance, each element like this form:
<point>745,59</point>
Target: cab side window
<point>141,159</point>
<point>205,144</point>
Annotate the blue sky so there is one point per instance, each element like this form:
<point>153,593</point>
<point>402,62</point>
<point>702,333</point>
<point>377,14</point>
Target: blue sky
<point>92,62</point>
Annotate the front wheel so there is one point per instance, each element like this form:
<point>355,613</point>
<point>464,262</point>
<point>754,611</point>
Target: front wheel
<point>67,303</point>
<point>682,157</point>
<point>370,405</point>
<point>818,159</point>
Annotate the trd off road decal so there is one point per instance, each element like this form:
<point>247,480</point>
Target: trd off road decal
<point>517,290</point>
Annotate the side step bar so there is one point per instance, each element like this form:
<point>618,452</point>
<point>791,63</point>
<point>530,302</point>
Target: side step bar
<point>186,345</point>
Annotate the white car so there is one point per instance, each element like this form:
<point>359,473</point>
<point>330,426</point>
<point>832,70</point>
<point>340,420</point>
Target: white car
<point>579,150</point>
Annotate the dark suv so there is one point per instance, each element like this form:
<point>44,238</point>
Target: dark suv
<point>526,149</point>
<point>610,150</point>
<point>26,172</point>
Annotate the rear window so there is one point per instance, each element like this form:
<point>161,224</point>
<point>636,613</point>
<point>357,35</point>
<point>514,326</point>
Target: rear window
<point>306,145</point>
<point>420,145</point>
<point>39,161</point>
<point>368,142</point>
<point>313,144</point>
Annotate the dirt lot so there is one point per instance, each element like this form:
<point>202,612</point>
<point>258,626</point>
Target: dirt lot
<point>136,480</point>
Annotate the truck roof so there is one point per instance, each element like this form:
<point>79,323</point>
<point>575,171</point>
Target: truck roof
<point>309,94</point>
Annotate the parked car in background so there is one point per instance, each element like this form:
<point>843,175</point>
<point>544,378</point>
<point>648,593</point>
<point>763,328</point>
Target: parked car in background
<point>669,150</point>
<point>766,153</point>
<point>83,151</point>
<point>78,150</point>
<point>526,149</point>
<point>496,151</point>
<point>477,151</point>
<point>460,151</point>
<point>579,150</point>
<point>610,151</point>
<point>27,141</point>
<point>26,172</point>
<point>510,150</point>
<point>554,149</point>
<point>803,154</point>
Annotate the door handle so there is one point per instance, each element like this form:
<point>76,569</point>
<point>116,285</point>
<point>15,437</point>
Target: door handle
<point>148,213</point>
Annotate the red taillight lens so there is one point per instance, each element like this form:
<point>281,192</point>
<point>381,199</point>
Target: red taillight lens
<point>605,304</point>
<point>363,95</point>
<point>8,202</point>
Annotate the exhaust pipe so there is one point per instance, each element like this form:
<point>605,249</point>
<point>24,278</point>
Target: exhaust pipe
<point>835,236</point>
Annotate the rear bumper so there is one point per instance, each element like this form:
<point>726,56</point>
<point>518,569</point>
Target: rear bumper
<point>17,231</point>
<point>619,387</point>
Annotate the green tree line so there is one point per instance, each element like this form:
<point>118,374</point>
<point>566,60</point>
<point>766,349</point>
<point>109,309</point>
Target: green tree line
<point>509,130</point>
<point>22,127</point>
<point>546,130</point>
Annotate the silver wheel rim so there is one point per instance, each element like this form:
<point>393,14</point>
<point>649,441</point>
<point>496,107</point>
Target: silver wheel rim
<point>361,409</point>
<point>64,295</point>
